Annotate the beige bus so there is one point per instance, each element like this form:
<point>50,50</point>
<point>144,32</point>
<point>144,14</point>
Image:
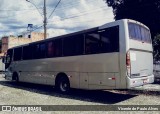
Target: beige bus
<point>116,55</point>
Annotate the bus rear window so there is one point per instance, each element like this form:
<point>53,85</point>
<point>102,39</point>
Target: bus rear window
<point>138,32</point>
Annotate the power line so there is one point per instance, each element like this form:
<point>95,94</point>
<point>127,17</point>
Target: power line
<point>75,16</point>
<point>91,20</point>
<point>7,10</point>
<point>63,18</point>
<point>35,6</point>
<point>54,8</point>
<point>91,10</point>
<point>74,3</point>
<point>66,6</point>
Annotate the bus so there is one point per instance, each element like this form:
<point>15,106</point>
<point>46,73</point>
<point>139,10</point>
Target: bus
<point>116,55</point>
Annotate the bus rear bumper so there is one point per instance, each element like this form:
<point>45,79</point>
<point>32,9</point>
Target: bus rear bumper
<point>135,82</point>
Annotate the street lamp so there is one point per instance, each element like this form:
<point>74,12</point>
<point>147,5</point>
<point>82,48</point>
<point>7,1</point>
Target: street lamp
<point>45,17</point>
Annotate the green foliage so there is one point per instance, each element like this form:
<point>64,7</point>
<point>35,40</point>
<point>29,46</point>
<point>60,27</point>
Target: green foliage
<point>156,46</point>
<point>145,11</point>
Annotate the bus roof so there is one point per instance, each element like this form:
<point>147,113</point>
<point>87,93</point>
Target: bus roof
<point>84,31</point>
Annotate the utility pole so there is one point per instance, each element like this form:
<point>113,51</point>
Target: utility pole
<point>45,17</point>
<point>45,20</point>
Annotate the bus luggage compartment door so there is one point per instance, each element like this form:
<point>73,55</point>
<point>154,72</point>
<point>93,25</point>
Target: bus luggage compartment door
<point>102,80</point>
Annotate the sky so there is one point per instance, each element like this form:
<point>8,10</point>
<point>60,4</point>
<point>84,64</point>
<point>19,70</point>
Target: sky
<point>69,16</point>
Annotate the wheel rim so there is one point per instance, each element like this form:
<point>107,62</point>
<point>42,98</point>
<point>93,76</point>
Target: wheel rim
<point>64,86</point>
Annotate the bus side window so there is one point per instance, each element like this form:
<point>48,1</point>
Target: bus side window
<point>35,48</point>
<point>57,48</point>
<point>92,43</point>
<point>42,50</point>
<point>39,50</point>
<point>110,40</point>
<point>50,49</point>
<point>17,54</point>
<point>27,53</point>
<point>73,45</point>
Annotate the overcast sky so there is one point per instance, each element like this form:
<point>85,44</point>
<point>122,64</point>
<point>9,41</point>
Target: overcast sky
<point>69,16</point>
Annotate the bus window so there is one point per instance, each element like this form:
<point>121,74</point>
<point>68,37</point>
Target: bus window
<point>92,43</point>
<point>145,35</point>
<point>73,45</point>
<point>35,48</point>
<point>110,39</point>
<point>17,54</point>
<point>8,57</point>
<point>57,48</point>
<point>42,50</point>
<point>27,53</point>
<point>54,48</point>
<point>39,50</point>
<point>50,49</point>
<point>138,32</point>
<point>103,41</point>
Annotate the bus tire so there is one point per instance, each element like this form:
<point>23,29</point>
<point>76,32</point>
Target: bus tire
<point>62,84</point>
<point>15,77</point>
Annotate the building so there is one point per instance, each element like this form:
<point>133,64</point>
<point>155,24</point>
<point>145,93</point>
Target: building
<point>11,41</point>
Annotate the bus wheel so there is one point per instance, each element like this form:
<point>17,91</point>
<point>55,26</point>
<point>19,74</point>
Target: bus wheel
<point>15,77</point>
<point>63,84</point>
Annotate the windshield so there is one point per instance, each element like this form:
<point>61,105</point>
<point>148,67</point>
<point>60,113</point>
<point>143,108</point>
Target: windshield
<point>138,32</point>
<point>8,58</point>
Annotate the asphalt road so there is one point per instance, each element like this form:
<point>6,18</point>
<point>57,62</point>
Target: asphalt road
<point>12,93</point>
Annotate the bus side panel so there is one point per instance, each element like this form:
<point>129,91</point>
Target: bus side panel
<point>97,71</point>
<point>121,81</point>
<point>123,42</point>
<point>84,80</point>
<point>73,79</point>
<point>102,79</point>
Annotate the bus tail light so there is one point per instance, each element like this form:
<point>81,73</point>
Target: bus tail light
<point>128,63</point>
<point>113,78</point>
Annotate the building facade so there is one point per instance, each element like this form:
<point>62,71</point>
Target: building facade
<point>11,41</point>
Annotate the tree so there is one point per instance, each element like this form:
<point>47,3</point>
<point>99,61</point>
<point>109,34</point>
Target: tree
<point>145,11</point>
<point>156,43</point>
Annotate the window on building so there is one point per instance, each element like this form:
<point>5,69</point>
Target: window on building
<point>29,36</point>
